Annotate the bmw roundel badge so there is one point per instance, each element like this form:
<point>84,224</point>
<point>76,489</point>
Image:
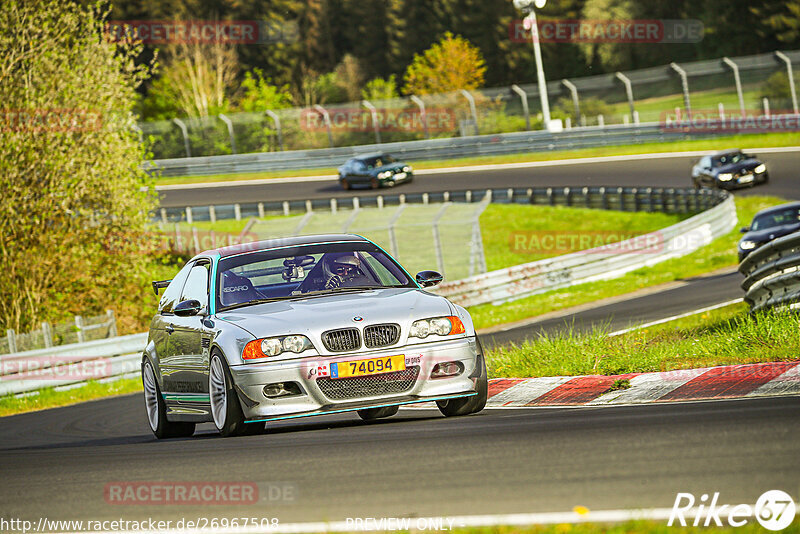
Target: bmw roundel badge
<point>358,319</point>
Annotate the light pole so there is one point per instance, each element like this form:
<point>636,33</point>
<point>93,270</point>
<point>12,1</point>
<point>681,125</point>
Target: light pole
<point>527,6</point>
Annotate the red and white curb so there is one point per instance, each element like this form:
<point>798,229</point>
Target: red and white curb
<point>728,382</point>
<point>710,383</point>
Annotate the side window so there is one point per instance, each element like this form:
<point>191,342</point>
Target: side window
<point>170,297</point>
<point>359,166</point>
<point>196,286</point>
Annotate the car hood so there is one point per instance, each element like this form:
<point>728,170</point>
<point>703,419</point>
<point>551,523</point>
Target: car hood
<point>313,315</point>
<point>768,234</point>
<point>747,165</point>
<point>391,167</point>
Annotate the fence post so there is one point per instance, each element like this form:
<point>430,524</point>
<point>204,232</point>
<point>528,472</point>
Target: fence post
<point>575,102</point>
<point>229,124</point>
<point>685,85</point>
<point>185,133</point>
<point>524,98</point>
<point>374,113</point>
<point>334,206</point>
<point>212,214</point>
<point>472,109</point>
<point>735,68</point>
<point>272,115</point>
<point>189,215</point>
<point>327,118</point>
<point>422,114</point>
<point>12,340</point>
<point>237,212</point>
<point>783,57</point>
<point>629,92</point>
<point>112,323</point>
<point>765,103</point>
<point>47,334</point>
<point>79,326</point>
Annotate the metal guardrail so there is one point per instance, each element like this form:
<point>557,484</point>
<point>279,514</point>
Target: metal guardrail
<point>446,148</point>
<point>772,274</point>
<point>600,263</point>
<point>102,360</point>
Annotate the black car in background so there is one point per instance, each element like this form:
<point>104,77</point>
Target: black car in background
<point>374,170</point>
<point>769,224</point>
<point>729,169</point>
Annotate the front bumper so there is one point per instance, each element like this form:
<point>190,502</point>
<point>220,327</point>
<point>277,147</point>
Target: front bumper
<point>250,379</point>
<point>745,180</point>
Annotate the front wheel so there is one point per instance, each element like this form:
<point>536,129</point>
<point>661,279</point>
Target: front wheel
<point>468,405</point>
<point>157,408</point>
<point>225,407</point>
<point>368,414</point>
<point>374,183</point>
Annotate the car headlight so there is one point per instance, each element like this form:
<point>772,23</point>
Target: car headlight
<point>440,326</point>
<point>761,168</point>
<point>272,346</point>
<point>747,245</point>
<point>407,168</point>
<point>384,174</point>
<point>725,177</point>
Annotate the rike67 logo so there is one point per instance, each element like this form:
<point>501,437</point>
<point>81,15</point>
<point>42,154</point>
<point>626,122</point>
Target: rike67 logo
<point>774,510</point>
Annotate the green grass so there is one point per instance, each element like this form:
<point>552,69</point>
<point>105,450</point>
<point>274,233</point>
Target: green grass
<point>740,141</point>
<point>721,337</point>
<point>50,398</point>
<point>718,254</point>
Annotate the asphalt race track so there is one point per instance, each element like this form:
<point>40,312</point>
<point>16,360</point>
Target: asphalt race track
<point>784,169</point>
<point>57,463</point>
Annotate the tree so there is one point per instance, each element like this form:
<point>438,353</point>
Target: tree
<point>258,93</point>
<point>449,65</point>
<point>380,89</point>
<point>72,210</point>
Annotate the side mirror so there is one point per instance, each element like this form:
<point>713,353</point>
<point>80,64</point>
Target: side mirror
<point>744,229</point>
<point>428,278</point>
<point>187,308</point>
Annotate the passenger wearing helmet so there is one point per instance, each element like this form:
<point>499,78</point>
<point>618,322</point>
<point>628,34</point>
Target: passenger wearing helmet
<point>343,269</point>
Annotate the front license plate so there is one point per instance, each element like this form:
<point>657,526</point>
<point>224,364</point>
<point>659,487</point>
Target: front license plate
<point>746,179</point>
<point>400,176</point>
<point>373,366</point>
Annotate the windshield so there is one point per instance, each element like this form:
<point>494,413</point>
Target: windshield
<point>300,271</point>
<point>380,161</point>
<point>728,159</point>
<point>777,218</point>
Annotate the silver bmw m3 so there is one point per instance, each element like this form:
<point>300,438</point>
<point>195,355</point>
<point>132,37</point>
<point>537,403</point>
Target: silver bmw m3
<point>304,326</point>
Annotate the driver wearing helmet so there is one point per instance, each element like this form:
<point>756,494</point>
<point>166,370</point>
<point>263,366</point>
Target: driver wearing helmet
<point>343,269</point>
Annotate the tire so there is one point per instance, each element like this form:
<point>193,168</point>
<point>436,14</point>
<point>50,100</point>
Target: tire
<point>370,414</point>
<point>374,183</point>
<point>226,412</point>
<point>346,185</point>
<point>469,405</point>
<point>156,408</point>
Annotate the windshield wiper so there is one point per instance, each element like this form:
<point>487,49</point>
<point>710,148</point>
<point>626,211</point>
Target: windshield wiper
<point>257,301</point>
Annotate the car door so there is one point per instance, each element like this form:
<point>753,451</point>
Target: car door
<point>190,364</point>
<point>162,326</point>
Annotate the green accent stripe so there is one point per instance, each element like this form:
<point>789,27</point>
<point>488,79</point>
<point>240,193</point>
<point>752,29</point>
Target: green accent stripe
<point>187,397</point>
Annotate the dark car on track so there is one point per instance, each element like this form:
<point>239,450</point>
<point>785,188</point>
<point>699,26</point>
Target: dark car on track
<point>769,224</point>
<point>374,170</point>
<point>729,169</point>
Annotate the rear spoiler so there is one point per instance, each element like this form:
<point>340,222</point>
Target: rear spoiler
<point>160,284</point>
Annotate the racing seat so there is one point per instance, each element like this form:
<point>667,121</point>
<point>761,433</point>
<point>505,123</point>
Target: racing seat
<point>237,289</point>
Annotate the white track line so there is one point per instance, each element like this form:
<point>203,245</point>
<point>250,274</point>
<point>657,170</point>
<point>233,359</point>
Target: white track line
<point>475,168</point>
<point>430,523</point>
<point>674,317</point>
